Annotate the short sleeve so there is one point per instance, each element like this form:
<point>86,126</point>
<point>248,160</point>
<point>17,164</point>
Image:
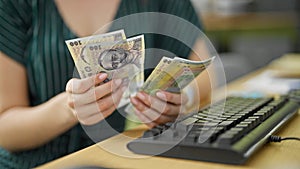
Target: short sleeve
<point>15,18</point>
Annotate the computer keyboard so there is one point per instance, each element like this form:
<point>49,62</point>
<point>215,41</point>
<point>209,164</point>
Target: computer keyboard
<point>224,134</point>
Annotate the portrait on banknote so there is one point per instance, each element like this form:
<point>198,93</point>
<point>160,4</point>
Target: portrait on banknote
<point>117,58</point>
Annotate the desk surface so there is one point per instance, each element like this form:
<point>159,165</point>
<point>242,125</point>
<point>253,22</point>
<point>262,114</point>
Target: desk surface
<point>275,155</point>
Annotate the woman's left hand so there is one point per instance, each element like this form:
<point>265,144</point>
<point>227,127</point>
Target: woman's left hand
<point>161,108</point>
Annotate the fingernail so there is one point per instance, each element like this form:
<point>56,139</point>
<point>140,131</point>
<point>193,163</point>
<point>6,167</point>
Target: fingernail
<point>160,95</point>
<point>118,82</point>
<point>141,96</point>
<point>102,76</point>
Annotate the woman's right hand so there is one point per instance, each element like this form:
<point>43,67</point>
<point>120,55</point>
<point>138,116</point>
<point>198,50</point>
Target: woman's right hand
<point>91,100</point>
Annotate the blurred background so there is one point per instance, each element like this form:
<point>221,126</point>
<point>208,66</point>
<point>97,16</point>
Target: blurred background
<point>249,34</point>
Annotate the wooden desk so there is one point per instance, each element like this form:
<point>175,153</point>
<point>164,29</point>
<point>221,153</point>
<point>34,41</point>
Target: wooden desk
<point>275,155</point>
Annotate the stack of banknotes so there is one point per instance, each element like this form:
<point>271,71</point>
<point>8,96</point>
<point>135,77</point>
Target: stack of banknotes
<point>173,75</point>
<point>123,58</point>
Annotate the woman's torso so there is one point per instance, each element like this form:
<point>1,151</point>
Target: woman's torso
<point>49,64</point>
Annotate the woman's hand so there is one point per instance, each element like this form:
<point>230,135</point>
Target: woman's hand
<point>91,100</point>
<point>159,109</point>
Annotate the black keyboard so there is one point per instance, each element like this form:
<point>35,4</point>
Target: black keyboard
<point>224,134</point>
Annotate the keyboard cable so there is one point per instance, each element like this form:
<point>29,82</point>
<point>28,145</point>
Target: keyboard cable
<point>274,138</point>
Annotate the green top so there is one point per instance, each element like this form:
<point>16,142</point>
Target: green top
<point>32,33</point>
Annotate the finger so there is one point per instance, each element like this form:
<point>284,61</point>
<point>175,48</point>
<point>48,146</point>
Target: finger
<point>164,119</point>
<point>156,117</point>
<point>145,119</point>
<point>173,98</point>
<point>113,100</point>
<point>151,116</point>
<point>159,105</point>
<point>150,113</point>
<point>96,93</point>
<point>95,118</point>
<point>117,96</point>
<point>87,110</point>
<point>102,105</point>
<point>78,86</point>
<point>138,104</point>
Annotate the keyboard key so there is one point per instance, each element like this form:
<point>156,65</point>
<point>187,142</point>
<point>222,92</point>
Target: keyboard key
<point>189,121</point>
<point>226,124</point>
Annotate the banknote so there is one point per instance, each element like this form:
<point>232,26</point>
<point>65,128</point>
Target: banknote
<point>158,76</point>
<point>123,58</point>
<point>120,60</point>
<point>161,66</point>
<point>187,71</point>
<point>77,49</point>
<point>174,74</point>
